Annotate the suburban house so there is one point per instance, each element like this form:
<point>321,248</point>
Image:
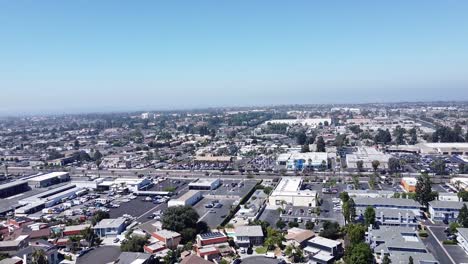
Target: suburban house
<point>246,236</point>
<point>110,227</point>
<point>323,250</point>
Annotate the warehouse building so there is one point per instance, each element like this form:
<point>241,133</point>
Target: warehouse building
<point>367,155</point>
<point>299,161</point>
<point>205,184</point>
<point>48,179</point>
<point>189,198</point>
<point>458,148</point>
<point>46,194</point>
<point>13,188</point>
<point>289,191</point>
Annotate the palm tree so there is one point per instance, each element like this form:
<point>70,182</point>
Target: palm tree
<point>39,257</point>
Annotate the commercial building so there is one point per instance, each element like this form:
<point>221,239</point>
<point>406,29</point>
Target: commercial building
<point>448,197</point>
<point>388,203</point>
<point>48,179</point>
<point>409,184</point>
<point>323,250</point>
<point>46,194</point>
<point>367,155</point>
<point>189,198</point>
<point>213,159</point>
<point>399,243</point>
<point>170,238</point>
<point>205,184</point>
<point>110,227</point>
<point>305,122</point>
<point>370,193</point>
<point>299,161</point>
<point>459,183</point>
<point>445,210</point>
<point>395,217</point>
<point>10,247</point>
<point>289,191</point>
<point>246,236</point>
<point>30,208</point>
<point>458,148</point>
<point>13,188</point>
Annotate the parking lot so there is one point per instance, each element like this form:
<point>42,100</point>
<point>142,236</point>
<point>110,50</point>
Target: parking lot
<point>213,216</point>
<point>235,188</point>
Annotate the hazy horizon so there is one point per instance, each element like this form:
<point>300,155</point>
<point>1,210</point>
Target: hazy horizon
<point>80,57</point>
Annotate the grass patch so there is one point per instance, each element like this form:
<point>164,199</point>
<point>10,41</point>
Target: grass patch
<point>261,250</point>
<point>449,242</point>
<point>423,233</point>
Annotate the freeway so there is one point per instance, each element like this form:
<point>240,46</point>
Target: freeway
<point>77,172</point>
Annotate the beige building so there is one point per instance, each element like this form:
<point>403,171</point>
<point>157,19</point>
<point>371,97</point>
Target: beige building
<point>288,191</point>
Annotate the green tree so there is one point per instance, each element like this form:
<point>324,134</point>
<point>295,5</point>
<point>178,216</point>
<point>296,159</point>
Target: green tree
<point>386,260</point>
<point>393,164</point>
<point>463,195</point>
<point>330,230</point>
<point>423,193</point>
<point>133,244</point>
<point>183,219</point>
<point>305,148</point>
<point>98,216</point>
<point>39,257</point>
<point>375,164</point>
<point>344,196</point>
<point>352,209</point>
<point>410,260</point>
<point>462,168</point>
<point>453,227</point>
<point>439,166</point>
<point>273,239</point>
<point>267,190</point>
<point>320,144</point>
<point>360,165</point>
<point>309,225</point>
<point>359,253</point>
<point>346,212</point>
<point>301,138</point>
<point>369,216</point>
<point>97,155</point>
<point>355,233</point>
<point>463,216</point>
<point>280,224</point>
<point>171,257</point>
<point>372,181</point>
<point>293,224</point>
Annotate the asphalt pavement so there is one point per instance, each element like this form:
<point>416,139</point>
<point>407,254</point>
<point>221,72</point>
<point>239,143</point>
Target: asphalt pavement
<point>107,254</point>
<point>434,244</point>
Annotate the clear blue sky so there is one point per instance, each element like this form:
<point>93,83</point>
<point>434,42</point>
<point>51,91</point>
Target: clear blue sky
<point>69,56</point>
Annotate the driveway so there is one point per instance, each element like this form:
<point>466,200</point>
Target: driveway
<point>259,260</point>
<point>434,244</point>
